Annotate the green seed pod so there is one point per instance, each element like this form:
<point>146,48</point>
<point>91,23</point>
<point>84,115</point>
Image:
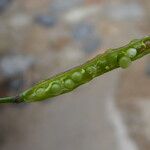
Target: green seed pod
<point>39,92</point>
<point>124,62</point>
<point>56,88</point>
<point>131,52</point>
<point>76,76</point>
<point>91,70</point>
<point>101,64</point>
<point>69,84</point>
<point>71,79</point>
<point>139,45</point>
<point>112,59</point>
<point>134,41</point>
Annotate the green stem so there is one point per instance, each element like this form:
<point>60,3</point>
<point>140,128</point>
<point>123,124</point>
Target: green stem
<point>7,100</point>
<point>67,81</point>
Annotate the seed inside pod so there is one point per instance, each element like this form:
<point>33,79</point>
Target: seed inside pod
<point>69,84</point>
<point>124,62</point>
<point>40,91</point>
<point>76,76</point>
<point>131,52</point>
<point>56,88</point>
<point>107,67</point>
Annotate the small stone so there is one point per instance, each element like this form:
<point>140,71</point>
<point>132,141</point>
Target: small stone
<point>20,20</point>
<point>4,4</point>
<point>47,21</point>
<point>82,31</point>
<point>15,64</point>
<point>87,36</point>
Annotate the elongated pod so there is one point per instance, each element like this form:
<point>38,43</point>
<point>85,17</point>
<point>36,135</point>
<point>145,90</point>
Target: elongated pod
<point>71,79</point>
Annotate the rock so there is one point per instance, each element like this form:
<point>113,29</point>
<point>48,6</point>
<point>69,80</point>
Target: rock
<point>57,6</point>
<point>12,65</point>
<point>91,44</point>
<point>45,20</point>
<point>4,4</point>
<point>86,36</point>
<point>81,13</point>
<point>20,20</point>
<point>130,11</point>
<point>16,74</point>
<point>82,31</point>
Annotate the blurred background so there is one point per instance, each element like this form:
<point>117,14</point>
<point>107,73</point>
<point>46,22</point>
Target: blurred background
<point>39,38</point>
